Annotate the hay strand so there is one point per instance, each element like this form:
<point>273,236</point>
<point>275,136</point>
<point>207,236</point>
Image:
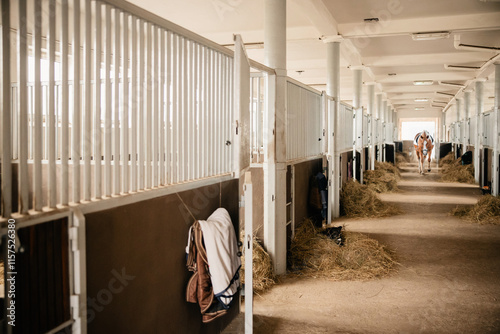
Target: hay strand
<point>402,158</point>
<point>485,211</point>
<point>263,275</point>
<point>453,170</point>
<point>315,255</point>
<point>358,200</point>
<point>383,179</point>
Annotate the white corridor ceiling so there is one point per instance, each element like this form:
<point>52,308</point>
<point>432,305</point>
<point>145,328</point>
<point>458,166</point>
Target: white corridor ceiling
<point>385,48</point>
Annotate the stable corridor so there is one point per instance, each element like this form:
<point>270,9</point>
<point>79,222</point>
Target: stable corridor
<point>447,281</point>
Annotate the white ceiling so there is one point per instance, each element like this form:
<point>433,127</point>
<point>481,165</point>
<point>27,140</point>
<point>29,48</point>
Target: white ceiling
<point>384,47</point>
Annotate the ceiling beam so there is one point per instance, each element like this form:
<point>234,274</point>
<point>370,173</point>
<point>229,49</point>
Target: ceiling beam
<point>427,59</point>
<point>391,27</point>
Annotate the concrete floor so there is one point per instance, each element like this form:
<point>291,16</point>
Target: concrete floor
<point>448,280</point>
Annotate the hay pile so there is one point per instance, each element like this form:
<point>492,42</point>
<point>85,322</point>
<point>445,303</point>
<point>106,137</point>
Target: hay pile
<point>402,158</point>
<point>454,171</point>
<point>361,258</point>
<point>383,179</point>
<point>448,159</point>
<point>358,200</point>
<point>485,211</point>
<point>263,276</point>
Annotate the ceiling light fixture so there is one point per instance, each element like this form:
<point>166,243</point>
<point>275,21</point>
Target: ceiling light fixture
<point>447,94</point>
<point>423,82</point>
<point>419,108</point>
<point>454,84</point>
<point>440,102</point>
<point>430,36</point>
<point>421,99</point>
<point>462,67</point>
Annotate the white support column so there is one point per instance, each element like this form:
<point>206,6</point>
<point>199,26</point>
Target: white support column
<point>457,126</point>
<point>275,57</point>
<point>248,246</point>
<point>379,128</point>
<point>358,113</point>
<point>443,136</point>
<point>383,125</point>
<point>371,128</point>
<point>479,128</point>
<point>466,134</point>
<point>496,107</point>
<point>333,90</point>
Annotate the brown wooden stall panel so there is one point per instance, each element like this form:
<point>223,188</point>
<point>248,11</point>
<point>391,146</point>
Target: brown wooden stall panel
<point>136,263</point>
<point>42,280</point>
<point>304,171</point>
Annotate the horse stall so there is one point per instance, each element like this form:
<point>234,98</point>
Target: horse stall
<point>486,153</point>
<point>102,191</point>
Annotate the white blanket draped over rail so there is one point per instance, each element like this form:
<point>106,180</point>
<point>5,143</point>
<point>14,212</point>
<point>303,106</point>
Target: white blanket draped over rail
<point>221,245</point>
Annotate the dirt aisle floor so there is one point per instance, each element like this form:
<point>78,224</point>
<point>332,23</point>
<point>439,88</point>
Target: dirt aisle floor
<point>448,280</point>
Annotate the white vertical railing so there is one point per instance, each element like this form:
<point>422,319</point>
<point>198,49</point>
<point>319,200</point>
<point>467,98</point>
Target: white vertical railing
<point>64,179</point>
<point>153,108</point>
<point>488,136</point>
<point>345,137</point>
<point>87,111</point>
<point>303,122</point>
<point>76,123</point>
<point>51,128</point>
<point>37,108</point>
<point>107,110</point>
<point>116,104</point>
<point>133,106</point>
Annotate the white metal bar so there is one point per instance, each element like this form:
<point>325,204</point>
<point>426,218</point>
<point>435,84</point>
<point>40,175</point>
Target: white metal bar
<point>185,112</point>
<point>248,245</point>
<point>219,113</point>
<point>97,102</point>
<point>6,154</point>
<point>141,106</point>
<point>212,127</point>
<point>116,105</point>
<point>162,123</point>
<point>65,105</point>
<point>169,105</point>
<point>175,110</point>
<point>258,132</point>
<point>225,118</point>
<point>37,138</point>
<point>76,125</point>
<point>133,104</point>
<point>52,108</point>
<point>125,107</point>
<point>155,106</point>
<point>230,111</point>
<point>196,86</point>
<point>22,56</point>
<point>204,114</point>
<point>191,122</point>
<point>87,126</point>
<point>149,84</point>
<point>108,109</point>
